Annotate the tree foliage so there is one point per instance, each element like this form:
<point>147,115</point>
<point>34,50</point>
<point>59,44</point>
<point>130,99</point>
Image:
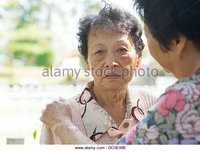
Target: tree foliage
<point>29,37</point>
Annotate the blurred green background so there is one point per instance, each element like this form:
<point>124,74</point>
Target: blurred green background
<point>39,33</point>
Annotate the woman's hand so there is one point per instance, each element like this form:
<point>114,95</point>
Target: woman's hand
<point>57,117</point>
<point>56,113</point>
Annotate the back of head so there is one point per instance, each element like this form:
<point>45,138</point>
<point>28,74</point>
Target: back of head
<point>167,19</point>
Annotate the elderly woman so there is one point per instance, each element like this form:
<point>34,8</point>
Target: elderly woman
<point>173,39</point>
<point>111,45</point>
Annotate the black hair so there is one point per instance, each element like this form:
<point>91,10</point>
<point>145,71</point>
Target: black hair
<point>168,19</point>
<point>119,20</point>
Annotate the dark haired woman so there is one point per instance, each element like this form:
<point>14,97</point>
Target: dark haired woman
<point>173,36</point>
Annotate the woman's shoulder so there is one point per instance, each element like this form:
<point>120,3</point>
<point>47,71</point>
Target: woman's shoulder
<point>146,97</point>
<point>75,109</point>
<point>73,101</point>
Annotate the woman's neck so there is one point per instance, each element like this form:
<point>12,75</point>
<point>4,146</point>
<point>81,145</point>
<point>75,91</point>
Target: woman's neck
<point>190,62</point>
<point>110,97</point>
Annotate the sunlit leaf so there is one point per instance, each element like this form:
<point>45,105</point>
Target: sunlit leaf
<point>34,134</point>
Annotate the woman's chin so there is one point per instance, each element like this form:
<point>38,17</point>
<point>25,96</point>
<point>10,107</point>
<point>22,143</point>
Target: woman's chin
<point>114,83</point>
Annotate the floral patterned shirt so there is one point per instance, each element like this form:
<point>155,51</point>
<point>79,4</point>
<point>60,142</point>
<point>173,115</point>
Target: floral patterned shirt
<point>174,119</point>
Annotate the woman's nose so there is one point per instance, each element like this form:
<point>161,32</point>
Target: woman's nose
<point>111,61</point>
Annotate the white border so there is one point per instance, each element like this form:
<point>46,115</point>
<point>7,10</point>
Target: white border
<point>99,147</point>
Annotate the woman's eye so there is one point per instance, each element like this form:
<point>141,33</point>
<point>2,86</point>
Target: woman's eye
<point>122,50</point>
<point>99,52</point>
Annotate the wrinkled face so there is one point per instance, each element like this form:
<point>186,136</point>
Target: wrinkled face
<point>111,56</point>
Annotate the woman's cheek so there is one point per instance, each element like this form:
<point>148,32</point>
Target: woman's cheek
<point>93,62</point>
<point>96,60</point>
<point>129,59</point>
<point>152,46</point>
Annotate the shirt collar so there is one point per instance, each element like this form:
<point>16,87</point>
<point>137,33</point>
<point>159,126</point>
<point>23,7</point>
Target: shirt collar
<point>95,118</point>
<point>194,77</point>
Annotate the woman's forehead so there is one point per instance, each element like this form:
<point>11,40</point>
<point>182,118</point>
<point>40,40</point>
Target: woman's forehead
<point>105,32</point>
<point>101,30</point>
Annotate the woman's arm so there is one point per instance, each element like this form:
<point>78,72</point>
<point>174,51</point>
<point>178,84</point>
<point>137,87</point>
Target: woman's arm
<point>57,117</point>
<point>68,133</point>
<point>46,136</point>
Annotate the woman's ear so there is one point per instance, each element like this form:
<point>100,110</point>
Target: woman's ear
<point>178,44</point>
<point>87,64</point>
<point>139,59</point>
